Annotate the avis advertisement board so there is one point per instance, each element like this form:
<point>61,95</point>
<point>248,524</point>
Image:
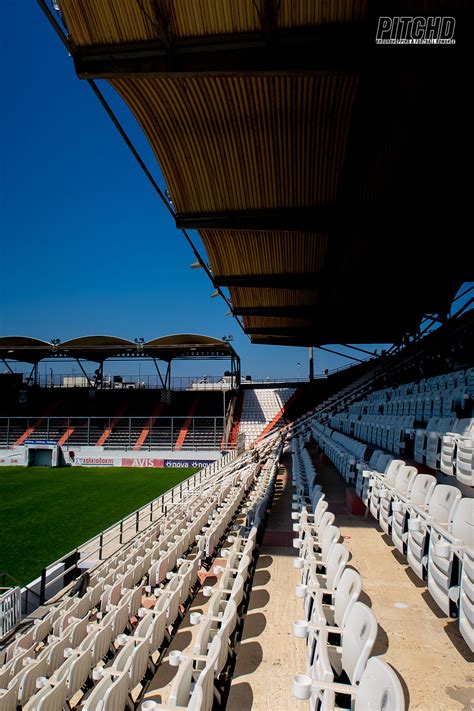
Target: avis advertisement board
<point>168,463</point>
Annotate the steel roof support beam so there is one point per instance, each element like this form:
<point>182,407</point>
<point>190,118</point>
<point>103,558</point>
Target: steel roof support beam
<point>300,219</point>
<point>337,46</point>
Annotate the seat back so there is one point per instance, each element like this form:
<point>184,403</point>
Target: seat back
<point>358,640</point>
<point>331,536</point>
<point>463,522</point>
<point>379,688</point>
<point>336,563</point>
<point>404,479</point>
<point>392,471</point>
<point>116,694</point>
<point>139,663</point>
<point>8,699</point>
<point>181,687</point>
<point>347,593</point>
<point>442,502</point>
<point>422,489</point>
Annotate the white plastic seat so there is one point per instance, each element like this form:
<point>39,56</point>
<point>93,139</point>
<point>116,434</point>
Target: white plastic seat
<point>152,627</point>
<point>464,430</point>
<point>48,698</point>
<point>445,547</point>
<point>403,482</point>
<point>223,628</point>
<point>466,598</point>
<point>74,672</point>
<point>189,677</point>
<point>357,641</point>
<point>420,494</point>
<point>110,694</point>
<point>337,561</point>
<point>379,480</point>
<point>8,699</point>
<point>434,440</point>
<point>133,660</point>
<point>439,512</point>
<point>333,616</point>
<point>465,461</point>
<point>379,690</point>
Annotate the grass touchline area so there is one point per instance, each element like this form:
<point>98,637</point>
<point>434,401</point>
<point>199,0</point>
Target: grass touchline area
<point>45,512</point>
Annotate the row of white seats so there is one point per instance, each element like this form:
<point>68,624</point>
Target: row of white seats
<point>193,686</point>
<point>433,526</point>
<point>330,591</point>
<point>420,406</point>
<point>447,381</point>
<point>448,450</point>
<point>69,629</point>
<point>443,507</point>
<point>447,444</point>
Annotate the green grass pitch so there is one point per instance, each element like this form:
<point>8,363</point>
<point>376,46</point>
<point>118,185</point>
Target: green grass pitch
<point>45,513</point>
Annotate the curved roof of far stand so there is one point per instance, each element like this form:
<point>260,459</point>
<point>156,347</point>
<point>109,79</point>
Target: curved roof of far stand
<point>100,348</point>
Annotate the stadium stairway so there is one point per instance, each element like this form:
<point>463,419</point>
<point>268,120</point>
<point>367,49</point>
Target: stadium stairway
<point>286,405</point>
<point>108,430</point>
<point>64,438</point>
<point>234,433</point>
<point>38,422</point>
<point>146,430</point>
<point>184,429</point>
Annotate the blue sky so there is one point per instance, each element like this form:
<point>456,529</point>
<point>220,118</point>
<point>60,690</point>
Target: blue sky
<point>86,246</point>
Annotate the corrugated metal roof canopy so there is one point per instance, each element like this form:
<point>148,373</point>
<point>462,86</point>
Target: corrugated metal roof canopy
<point>100,348</point>
<point>319,168</point>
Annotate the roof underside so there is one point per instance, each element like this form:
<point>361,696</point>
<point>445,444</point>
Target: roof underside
<point>321,170</point>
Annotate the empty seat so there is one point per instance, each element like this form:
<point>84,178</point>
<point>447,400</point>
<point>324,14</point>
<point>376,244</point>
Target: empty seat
<point>439,511</point>
<point>379,689</point>
<point>445,556</point>
<point>110,694</point>
<point>466,598</point>
<point>380,479</point>
<point>329,662</point>
<point>462,432</point>
<point>402,485</point>
<point>419,494</point>
<point>48,698</point>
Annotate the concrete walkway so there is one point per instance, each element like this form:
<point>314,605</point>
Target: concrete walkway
<point>268,655</point>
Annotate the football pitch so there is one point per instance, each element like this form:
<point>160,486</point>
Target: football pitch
<point>45,513</point>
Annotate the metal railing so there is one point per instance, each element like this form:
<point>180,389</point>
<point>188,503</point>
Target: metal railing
<point>204,432</point>
<point>56,576</point>
<point>152,381</point>
<point>135,381</point>
<point>10,610</point>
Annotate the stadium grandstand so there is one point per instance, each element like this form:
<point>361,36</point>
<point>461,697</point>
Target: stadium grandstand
<point>320,553</point>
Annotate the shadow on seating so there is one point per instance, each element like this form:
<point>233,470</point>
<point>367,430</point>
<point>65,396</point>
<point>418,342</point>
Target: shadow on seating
<point>249,658</point>
<point>264,561</point>
<point>452,630</point>
<point>255,623</point>
<point>406,691</point>
<point>381,642</point>
<point>258,598</point>
<point>261,577</point>
<point>414,578</point>
<point>240,697</point>
<point>363,597</point>
<point>432,605</point>
<point>399,557</point>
